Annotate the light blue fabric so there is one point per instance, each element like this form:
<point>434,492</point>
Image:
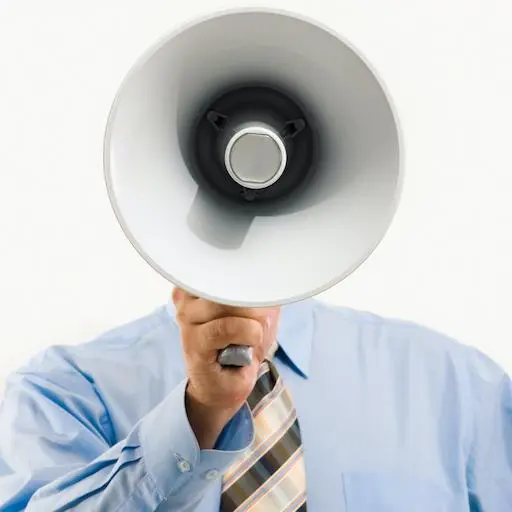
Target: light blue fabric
<point>394,418</point>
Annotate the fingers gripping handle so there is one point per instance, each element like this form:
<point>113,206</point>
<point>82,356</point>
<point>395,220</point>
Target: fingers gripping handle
<point>235,355</point>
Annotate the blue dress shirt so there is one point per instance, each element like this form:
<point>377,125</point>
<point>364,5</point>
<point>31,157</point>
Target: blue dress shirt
<point>394,418</point>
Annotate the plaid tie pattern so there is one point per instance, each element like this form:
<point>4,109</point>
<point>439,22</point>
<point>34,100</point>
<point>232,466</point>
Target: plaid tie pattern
<point>270,477</point>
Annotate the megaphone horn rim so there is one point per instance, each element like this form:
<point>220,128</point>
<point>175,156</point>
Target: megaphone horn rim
<point>140,62</point>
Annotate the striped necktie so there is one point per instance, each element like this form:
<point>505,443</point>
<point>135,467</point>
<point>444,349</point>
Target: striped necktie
<point>270,477</point>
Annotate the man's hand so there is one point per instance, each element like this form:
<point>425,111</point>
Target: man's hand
<point>214,394</point>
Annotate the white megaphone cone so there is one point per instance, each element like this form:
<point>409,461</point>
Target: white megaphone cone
<point>253,158</point>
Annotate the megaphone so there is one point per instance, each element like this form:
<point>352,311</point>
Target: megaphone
<point>253,158</point>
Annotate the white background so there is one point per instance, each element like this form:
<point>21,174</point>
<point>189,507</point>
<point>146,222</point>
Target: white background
<point>66,271</point>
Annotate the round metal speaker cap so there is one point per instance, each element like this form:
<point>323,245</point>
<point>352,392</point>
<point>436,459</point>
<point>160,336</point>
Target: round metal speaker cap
<point>255,157</point>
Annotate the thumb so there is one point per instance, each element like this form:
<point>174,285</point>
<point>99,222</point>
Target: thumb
<point>270,326</point>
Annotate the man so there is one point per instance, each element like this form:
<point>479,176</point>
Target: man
<point>352,413</point>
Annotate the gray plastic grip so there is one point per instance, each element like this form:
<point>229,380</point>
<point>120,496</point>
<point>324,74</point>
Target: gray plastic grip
<point>235,355</point>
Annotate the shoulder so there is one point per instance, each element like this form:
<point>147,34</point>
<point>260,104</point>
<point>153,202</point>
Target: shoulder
<point>407,339</point>
<point>383,330</point>
<point>132,367</point>
<point>459,381</point>
<point>128,342</point>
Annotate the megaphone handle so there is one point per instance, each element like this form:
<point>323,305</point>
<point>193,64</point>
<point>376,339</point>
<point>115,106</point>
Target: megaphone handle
<point>235,355</point>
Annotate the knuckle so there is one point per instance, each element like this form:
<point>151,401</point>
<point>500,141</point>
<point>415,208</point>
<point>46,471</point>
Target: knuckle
<point>176,294</point>
<point>182,316</point>
<point>221,310</point>
<point>252,331</point>
<point>218,328</point>
<point>235,329</point>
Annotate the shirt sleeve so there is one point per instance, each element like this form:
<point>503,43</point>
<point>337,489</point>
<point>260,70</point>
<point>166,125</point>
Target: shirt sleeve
<point>56,450</point>
<point>490,462</point>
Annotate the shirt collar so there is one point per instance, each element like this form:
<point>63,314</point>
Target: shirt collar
<point>294,334</point>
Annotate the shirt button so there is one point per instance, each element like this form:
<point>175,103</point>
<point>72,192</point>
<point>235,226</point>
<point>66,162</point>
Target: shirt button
<point>211,474</point>
<point>184,466</point>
